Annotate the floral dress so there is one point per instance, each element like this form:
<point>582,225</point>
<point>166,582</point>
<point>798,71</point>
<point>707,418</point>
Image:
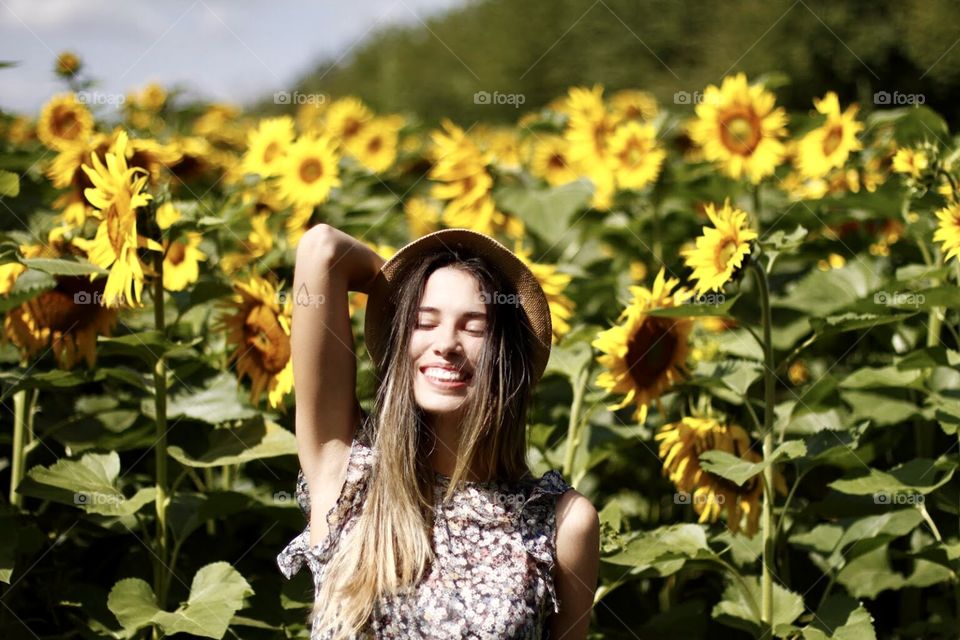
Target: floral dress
<point>495,549</point>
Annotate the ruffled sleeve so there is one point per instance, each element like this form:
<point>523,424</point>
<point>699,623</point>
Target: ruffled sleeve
<point>538,523</point>
<point>348,505</point>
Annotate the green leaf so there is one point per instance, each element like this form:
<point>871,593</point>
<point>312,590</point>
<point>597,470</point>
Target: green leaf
<point>841,618</point>
<point>88,483</point>
<point>548,212</point>
<point>63,266</point>
<point>883,409</point>
<point>738,470</point>
<point>218,401</point>
<point>251,441</point>
<point>9,184</point>
<point>216,593</point>
<point>782,242</point>
<point>871,377</point>
<point>705,305</point>
<point>741,610</point>
<point>666,542</point>
<point>917,476</point>
<point>823,292</point>
<point>148,346</point>
<point>852,321</point>
<point>929,357</point>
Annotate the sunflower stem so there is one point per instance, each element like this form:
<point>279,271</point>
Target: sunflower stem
<point>766,517</point>
<point>161,577</point>
<point>574,427</point>
<point>19,442</point>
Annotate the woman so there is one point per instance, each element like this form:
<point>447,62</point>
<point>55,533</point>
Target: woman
<point>423,518</point>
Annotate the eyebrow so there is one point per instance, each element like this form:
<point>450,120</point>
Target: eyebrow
<point>467,314</point>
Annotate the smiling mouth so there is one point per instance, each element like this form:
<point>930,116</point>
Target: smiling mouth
<point>445,377</point>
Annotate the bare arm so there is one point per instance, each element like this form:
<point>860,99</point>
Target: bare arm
<point>328,263</point>
<point>578,564</point>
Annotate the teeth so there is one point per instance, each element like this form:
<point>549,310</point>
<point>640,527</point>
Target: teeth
<point>443,374</point>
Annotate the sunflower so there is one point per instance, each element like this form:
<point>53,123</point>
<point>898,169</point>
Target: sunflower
<point>259,242</point>
<point>589,127</point>
<point>152,97</point>
<point>645,355</point>
<point>721,249</point>
<point>67,318</point>
<point>422,216</point>
<point>346,118</point>
<point>637,158</point>
<point>738,126</point>
<point>948,231</point>
<point>910,161</point>
<point>551,161</point>
<point>502,144</point>
<point>681,444</point>
<point>829,145</point>
<point>460,168</point>
<point>267,146</point>
<point>554,285</point>
<point>258,330</point>
<point>67,65</point>
<point>116,194</point>
<point>375,147</point>
<point>630,104</point>
<point>64,121</point>
<point>309,171</point>
<point>181,266</point>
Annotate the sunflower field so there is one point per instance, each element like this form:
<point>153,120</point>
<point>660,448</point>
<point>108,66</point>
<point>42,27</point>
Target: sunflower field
<point>754,374</point>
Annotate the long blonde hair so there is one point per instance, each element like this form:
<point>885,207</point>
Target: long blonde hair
<point>389,549</point>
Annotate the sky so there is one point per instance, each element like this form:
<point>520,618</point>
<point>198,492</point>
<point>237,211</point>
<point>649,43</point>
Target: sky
<point>228,50</point>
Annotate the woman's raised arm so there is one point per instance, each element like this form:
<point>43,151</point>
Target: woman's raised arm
<point>329,264</point>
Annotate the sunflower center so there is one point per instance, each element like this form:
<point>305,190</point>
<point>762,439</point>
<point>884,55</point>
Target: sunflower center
<point>176,253</point>
<point>351,127</point>
<point>740,132</point>
<point>375,144</point>
<point>724,253</point>
<point>265,334</point>
<point>633,154</point>
<point>557,162</point>
<point>65,124</point>
<point>311,170</point>
<point>651,350</point>
<point>271,152</point>
<point>832,140</point>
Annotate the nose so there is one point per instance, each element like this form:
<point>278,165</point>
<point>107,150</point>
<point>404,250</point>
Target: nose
<point>447,342</point>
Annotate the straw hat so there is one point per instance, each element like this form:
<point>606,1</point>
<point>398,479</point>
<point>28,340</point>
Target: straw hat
<point>380,309</point>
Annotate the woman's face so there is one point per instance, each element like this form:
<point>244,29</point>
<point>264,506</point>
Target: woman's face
<point>450,329</point>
